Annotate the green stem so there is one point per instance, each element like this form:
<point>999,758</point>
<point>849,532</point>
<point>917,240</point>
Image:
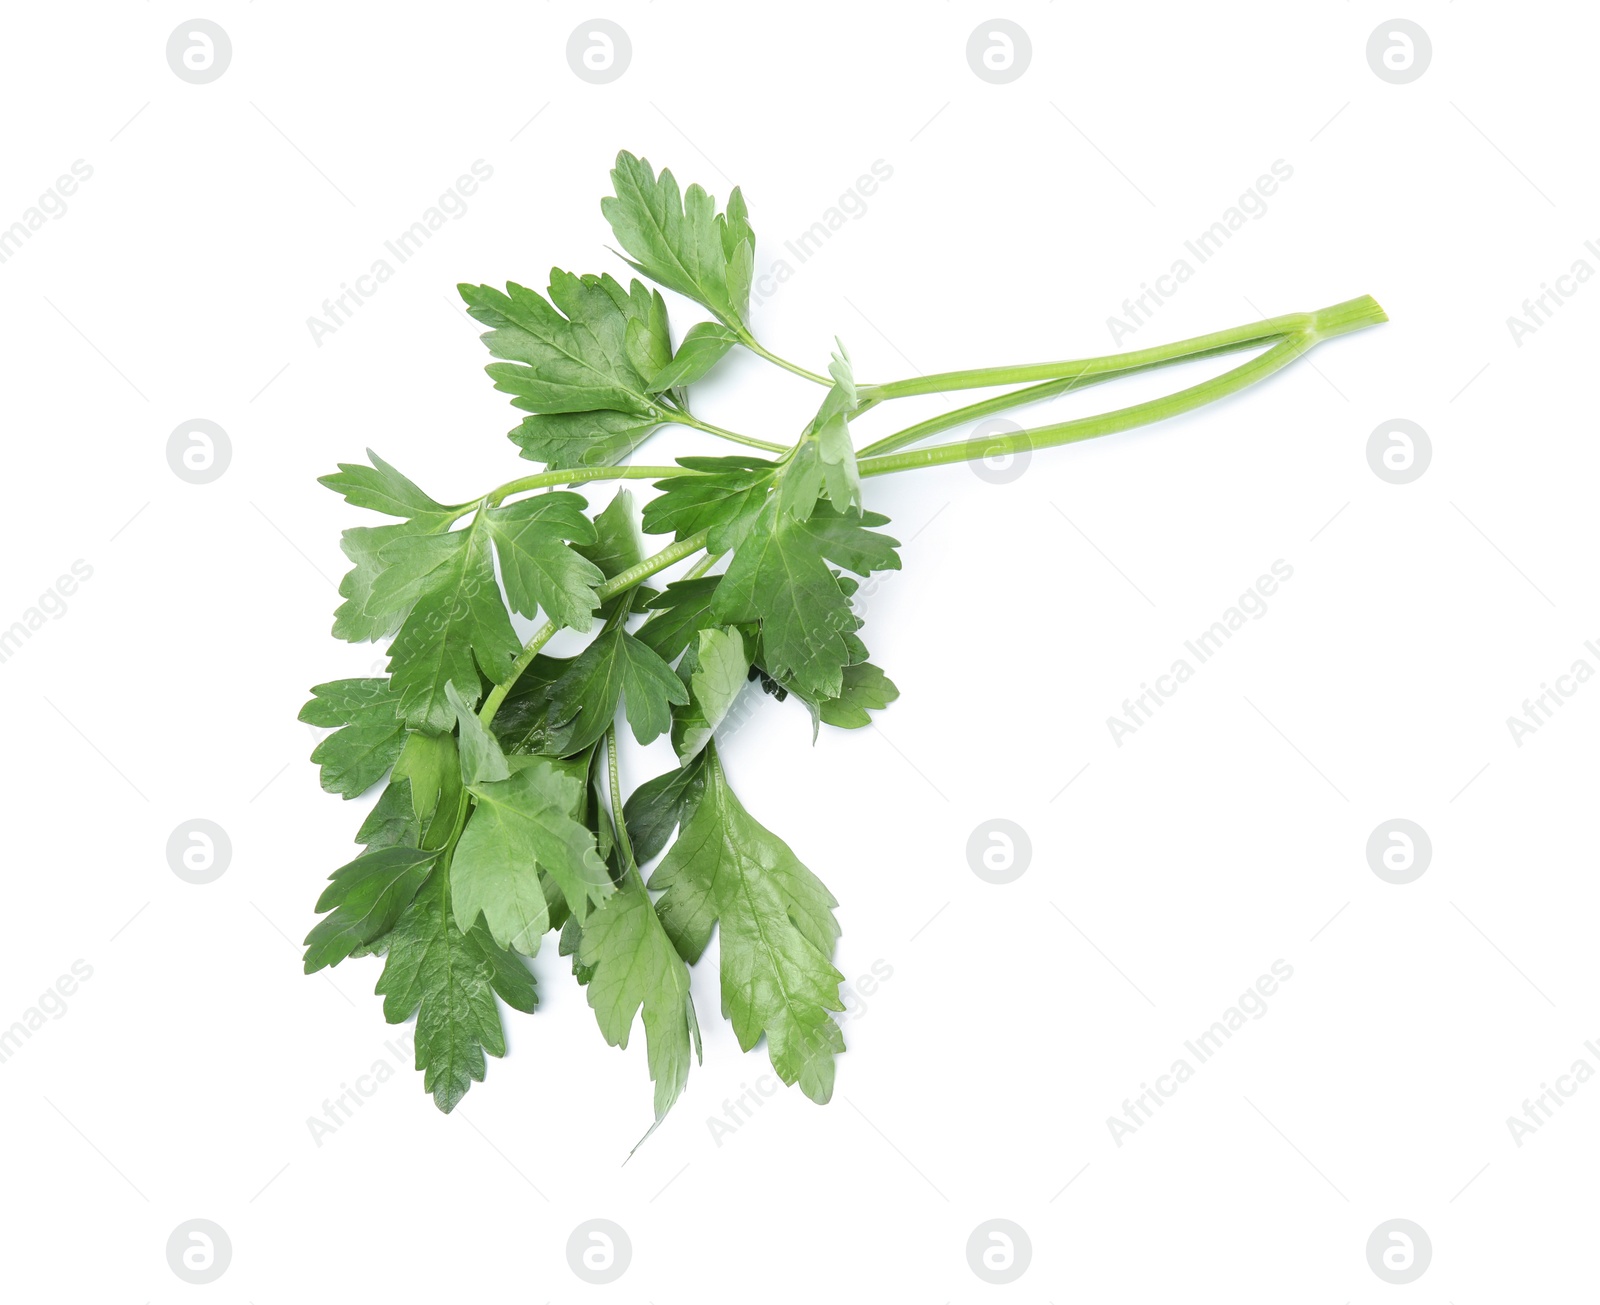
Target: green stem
<point>447,844</point>
<point>1032,394</point>
<point>1105,423</point>
<point>655,562</point>
<point>617,821</point>
<point>623,580</point>
<point>702,566</point>
<point>530,650</point>
<point>689,419</point>
<point>693,573</point>
<point>1351,315</point>
<point>751,343</point>
<point>572,476</point>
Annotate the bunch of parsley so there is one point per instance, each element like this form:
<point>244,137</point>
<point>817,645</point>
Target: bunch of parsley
<point>503,818</point>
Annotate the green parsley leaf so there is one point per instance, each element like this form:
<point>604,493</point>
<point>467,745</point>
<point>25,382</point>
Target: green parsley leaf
<point>586,376</point>
<point>523,722</point>
<point>718,669</point>
<point>866,689</point>
<point>631,965</point>
<point>780,577</point>
<point>660,805</point>
<point>431,767</point>
<point>682,242</point>
<point>365,899</point>
<point>392,822</point>
<point>573,363</point>
<point>830,430</point>
<point>360,618</point>
<point>448,979</point>
<point>725,499</point>
<point>540,570</point>
<point>357,756</point>
<point>677,614</point>
<point>701,348</point>
<point>562,440</point>
<point>616,667</point>
<point>481,757</point>
<point>456,625</point>
<point>383,489</point>
<point>777,932</point>
<point>648,338</point>
<point>616,545</point>
<point>529,822</point>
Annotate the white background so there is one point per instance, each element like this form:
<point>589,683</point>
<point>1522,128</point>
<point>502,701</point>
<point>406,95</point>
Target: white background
<point>1226,834</point>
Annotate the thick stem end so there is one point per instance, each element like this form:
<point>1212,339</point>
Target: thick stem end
<point>1351,315</point>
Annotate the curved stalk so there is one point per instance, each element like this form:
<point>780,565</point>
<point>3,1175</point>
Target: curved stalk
<point>689,419</point>
<point>702,566</point>
<point>617,822</point>
<point>751,343</point>
<point>1351,315</point>
<point>1032,394</point>
<point>1105,423</point>
<point>572,476</point>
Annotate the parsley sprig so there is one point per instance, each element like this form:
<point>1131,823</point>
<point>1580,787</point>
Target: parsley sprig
<point>503,818</point>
